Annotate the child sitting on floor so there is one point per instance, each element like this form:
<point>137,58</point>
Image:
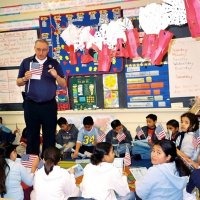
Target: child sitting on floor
<point>189,124</point>
<point>101,179</point>
<point>174,134</point>
<point>51,182</point>
<point>167,178</point>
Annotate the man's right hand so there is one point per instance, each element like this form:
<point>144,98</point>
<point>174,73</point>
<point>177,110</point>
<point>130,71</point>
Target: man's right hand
<point>27,75</point>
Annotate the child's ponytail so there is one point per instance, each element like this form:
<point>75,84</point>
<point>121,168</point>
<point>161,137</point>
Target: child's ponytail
<point>181,167</point>
<point>52,157</point>
<point>100,150</point>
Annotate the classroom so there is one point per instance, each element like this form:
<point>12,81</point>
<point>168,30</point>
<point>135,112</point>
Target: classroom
<point>120,59</point>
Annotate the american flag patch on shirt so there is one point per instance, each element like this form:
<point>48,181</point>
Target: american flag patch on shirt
<point>27,160</point>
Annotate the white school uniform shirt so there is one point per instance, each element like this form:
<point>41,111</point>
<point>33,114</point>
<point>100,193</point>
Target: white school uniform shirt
<point>100,182</point>
<point>187,147</point>
<point>58,185</point>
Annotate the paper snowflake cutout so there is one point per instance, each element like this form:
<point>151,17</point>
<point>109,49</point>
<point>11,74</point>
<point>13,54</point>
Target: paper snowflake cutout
<point>152,19</point>
<point>175,11</point>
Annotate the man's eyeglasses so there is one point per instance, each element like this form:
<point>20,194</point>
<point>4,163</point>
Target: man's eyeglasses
<point>41,50</point>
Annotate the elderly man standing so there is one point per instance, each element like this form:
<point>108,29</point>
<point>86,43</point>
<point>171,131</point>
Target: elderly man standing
<point>39,74</point>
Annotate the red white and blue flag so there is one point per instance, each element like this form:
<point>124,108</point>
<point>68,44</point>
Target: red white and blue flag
<point>27,160</point>
<point>139,132</point>
<point>120,137</point>
<point>36,68</point>
<point>196,139</point>
<point>160,133</point>
<point>127,158</point>
<point>101,137</point>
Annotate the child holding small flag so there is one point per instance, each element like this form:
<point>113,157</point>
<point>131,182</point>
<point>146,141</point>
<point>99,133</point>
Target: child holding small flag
<point>145,138</point>
<point>190,125</point>
<point>101,179</point>
<point>13,173</point>
<point>119,137</point>
<point>149,129</point>
<point>52,182</point>
<point>173,132</point>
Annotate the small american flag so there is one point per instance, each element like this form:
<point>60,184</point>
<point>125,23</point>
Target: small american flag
<point>139,132</point>
<point>120,137</point>
<point>127,158</point>
<point>101,136</point>
<point>196,139</point>
<point>27,160</point>
<point>36,68</point>
<point>160,133</point>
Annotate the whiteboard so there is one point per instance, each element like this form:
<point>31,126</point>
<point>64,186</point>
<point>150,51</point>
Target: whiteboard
<point>15,46</point>
<point>184,67</point>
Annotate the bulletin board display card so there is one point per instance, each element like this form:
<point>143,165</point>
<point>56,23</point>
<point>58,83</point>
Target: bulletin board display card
<point>83,90</point>
<point>15,46</point>
<point>147,86</point>
<point>184,67</point>
<point>62,99</point>
<point>111,91</point>
<point>52,26</point>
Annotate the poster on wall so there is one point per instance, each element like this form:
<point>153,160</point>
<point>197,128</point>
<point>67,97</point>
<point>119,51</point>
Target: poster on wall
<point>10,45</point>
<point>147,85</point>
<point>10,92</point>
<point>83,92</point>
<point>52,27</point>
<point>111,94</point>
<point>184,67</point>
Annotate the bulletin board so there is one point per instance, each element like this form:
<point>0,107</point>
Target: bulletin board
<point>52,26</point>
<point>80,97</point>
<point>49,32</point>
<point>179,32</point>
<point>147,86</point>
<point>83,92</point>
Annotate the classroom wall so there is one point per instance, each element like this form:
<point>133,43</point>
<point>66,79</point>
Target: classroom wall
<point>79,6</point>
<point>131,118</point>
